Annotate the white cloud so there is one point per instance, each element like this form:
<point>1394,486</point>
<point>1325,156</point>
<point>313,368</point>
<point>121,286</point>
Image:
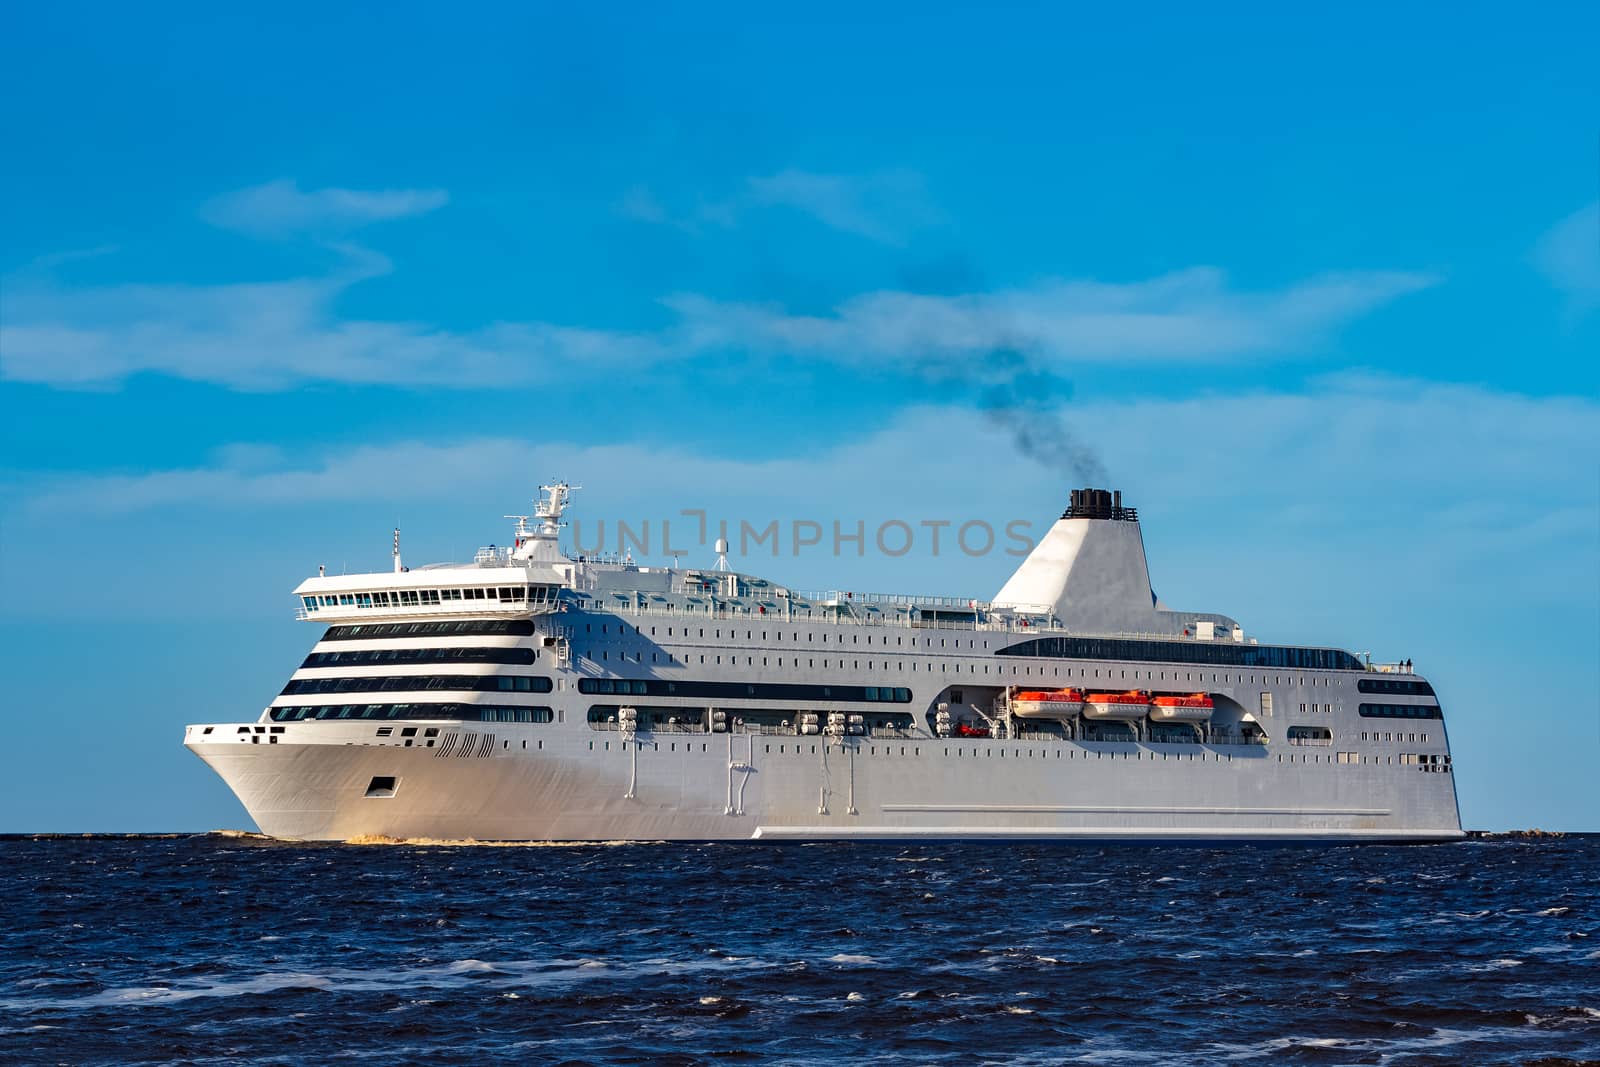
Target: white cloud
<point>887,207</point>
<point>884,207</point>
<point>281,208</point>
<point>1569,255</point>
<point>272,335</point>
<point>275,335</point>
<point>1191,314</point>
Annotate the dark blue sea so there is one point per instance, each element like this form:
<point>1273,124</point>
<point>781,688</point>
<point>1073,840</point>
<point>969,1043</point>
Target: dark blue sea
<point>214,949</point>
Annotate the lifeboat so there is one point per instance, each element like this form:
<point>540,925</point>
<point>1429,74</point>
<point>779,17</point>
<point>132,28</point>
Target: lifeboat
<point>964,730</point>
<point>1047,703</point>
<point>1131,706</point>
<point>1196,707</point>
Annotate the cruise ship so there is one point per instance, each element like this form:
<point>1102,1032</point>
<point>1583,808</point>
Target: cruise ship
<point>537,694</point>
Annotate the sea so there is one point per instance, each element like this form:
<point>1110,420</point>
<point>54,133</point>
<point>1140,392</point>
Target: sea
<point>232,949</point>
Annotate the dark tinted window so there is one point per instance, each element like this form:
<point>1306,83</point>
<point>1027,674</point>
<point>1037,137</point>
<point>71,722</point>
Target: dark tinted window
<point>405,683</point>
<point>1401,711</point>
<point>1408,686</point>
<point>1219,654</point>
<point>746,690</point>
<point>465,712</point>
<point>446,628</point>
<point>369,656</point>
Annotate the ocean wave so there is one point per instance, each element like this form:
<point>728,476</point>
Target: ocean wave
<point>154,950</point>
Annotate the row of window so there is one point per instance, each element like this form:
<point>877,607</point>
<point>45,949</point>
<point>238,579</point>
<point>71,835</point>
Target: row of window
<point>1395,685</point>
<point>448,628</point>
<point>462,712</point>
<point>1230,655</point>
<point>1401,711</point>
<point>503,683</point>
<point>741,720</point>
<point>410,598</point>
<point>745,690</point>
<point>1391,735</point>
<point>377,656</point>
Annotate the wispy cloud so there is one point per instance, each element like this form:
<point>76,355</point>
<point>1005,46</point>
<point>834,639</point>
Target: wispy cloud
<point>887,206</point>
<point>1569,255</point>
<point>274,335</point>
<point>281,208</point>
<point>1190,315</point>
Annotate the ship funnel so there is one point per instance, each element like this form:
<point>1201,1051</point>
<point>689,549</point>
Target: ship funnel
<point>1090,567</point>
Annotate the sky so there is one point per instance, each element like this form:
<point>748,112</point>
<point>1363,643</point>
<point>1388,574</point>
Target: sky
<point>1318,291</point>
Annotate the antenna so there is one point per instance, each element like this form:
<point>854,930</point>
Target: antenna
<point>524,531</point>
<point>721,548</point>
<point>397,567</point>
<point>554,499</point>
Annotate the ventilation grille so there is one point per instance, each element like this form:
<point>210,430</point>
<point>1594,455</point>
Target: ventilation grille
<point>465,746</point>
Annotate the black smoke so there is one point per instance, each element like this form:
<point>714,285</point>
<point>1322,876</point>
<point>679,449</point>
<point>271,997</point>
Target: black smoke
<point>1032,406</point>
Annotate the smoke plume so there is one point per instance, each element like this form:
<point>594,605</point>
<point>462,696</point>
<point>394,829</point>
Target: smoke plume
<point>1030,404</point>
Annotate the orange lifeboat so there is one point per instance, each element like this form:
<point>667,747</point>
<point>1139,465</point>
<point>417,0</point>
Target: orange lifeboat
<point>964,730</point>
<point>1047,703</point>
<point>1196,707</point>
<point>1126,707</point>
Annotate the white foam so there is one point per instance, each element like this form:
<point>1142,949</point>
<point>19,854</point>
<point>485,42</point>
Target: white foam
<point>472,967</point>
<point>846,957</point>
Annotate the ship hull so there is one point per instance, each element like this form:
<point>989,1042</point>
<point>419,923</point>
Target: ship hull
<point>509,782</point>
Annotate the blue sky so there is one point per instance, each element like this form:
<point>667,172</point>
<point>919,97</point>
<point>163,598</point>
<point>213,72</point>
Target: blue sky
<point>1322,295</point>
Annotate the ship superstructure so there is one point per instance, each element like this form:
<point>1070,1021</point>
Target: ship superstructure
<point>537,695</point>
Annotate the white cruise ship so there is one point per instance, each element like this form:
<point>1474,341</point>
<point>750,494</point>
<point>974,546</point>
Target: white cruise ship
<point>537,695</point>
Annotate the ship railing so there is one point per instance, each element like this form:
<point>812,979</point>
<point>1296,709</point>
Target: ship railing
<point>1391,668</point>
<point>345,613</point>
<point>1216,739</point>
<point>908,600</point>
<point>777,613</point>
<point>642,728</point>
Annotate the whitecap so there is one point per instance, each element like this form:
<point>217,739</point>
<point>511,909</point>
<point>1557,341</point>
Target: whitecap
<point>855,997</point>
<point>1553,912</point>
<point>1494,965</point>
<point>846,957</point>
<point>471,967</point>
